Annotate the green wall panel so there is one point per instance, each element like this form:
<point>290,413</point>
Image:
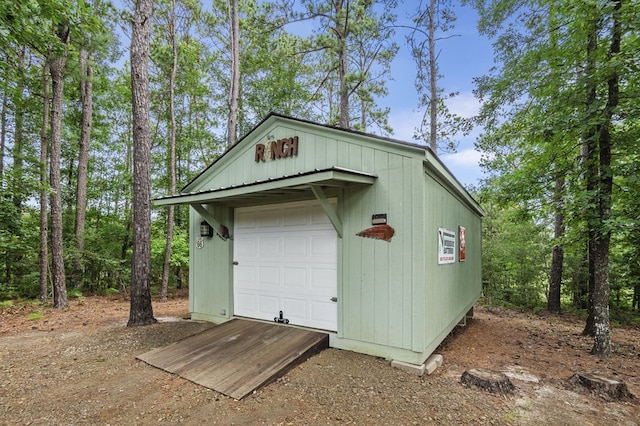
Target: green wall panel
<point>394,300</point>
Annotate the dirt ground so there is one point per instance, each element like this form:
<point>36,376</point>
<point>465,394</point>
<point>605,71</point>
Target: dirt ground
<point>78,366</point>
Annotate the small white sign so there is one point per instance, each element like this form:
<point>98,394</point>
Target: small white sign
<point>446,246</point>
<point>199,242</point>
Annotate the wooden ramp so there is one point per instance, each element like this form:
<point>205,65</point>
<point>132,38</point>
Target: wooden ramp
<point>239,356</point>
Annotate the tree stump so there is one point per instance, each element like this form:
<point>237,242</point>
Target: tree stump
<point>493,381</point>
<point>603,386</point>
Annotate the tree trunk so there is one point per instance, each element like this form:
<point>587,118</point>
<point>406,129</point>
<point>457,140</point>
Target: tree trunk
<point>18,140</point>
<point>86,94</point>
<point>234,87</point>
<point>590,169</point>
<point>44,220</point>
<point>127,214</point>
<point>602,337</point>
<point>557,259</point>
<point>612,388</point>
<point>433,80</point>
<point>341,32</point>
<point>3,132</point>
<point>602,202</point>
<point>141,310</point>
<point>493,381</point>
<point>172,155</point>
<point>58,64</point>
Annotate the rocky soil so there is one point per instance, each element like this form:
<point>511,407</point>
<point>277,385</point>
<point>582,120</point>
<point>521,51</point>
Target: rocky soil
<point>78,366</point>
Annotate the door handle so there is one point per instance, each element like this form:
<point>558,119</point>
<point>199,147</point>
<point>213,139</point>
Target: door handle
<point>234,263</point>
<point>334,299</point>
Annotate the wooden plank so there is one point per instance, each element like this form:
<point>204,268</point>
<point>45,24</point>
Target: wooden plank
<point>274,363</point>
<point>239,356</point>
<point>182,351</point>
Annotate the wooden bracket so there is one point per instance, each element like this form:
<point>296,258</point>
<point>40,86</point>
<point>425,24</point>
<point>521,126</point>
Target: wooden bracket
<point>326,206</point>
<point>202,211</point>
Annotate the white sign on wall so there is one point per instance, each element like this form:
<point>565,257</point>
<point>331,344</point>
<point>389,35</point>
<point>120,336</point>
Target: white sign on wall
<point>199,242</point>
<point>446,246</point>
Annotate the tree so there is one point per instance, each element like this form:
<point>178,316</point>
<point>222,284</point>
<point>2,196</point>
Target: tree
<point>556,100</point>
<point>86,100</point>
<point>353,42</point>
<point>599,146</point>
<point>57,66</point>
<point>431,23</point>
<point>141,310</point>
<point>44,219</point>
<point>557,258</point>
<point>172,152</point>
<point>234,87</point>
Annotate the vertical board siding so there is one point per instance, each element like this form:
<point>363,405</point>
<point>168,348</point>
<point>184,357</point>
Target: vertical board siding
<point>393,297</point>
<point>210,282</point>
<point>350,282</point>
<point>381,251</point>
<point>452,287</point>
<point>315,151</point>
<point>378,276</point>
<point>395,274</point>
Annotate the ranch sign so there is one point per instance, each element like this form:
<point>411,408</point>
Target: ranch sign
<point>272,150</point>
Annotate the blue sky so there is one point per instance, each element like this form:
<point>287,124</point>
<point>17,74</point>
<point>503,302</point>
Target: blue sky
<point>462,58</point>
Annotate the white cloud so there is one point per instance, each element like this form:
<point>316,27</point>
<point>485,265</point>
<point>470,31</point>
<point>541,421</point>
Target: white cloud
<point>465,165</point>
<point>404,122</point>
<point>465,105</point>
<point>466,157</point>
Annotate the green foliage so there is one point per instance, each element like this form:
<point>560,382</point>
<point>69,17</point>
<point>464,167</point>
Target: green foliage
<point>112,291</point>
<point>537,121</point>
<point>351,50</point>
<point>75,293</point>
<point>34,316</point>
<point>515,251</point>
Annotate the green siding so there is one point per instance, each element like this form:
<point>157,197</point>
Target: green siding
<point>378,276</point>
<point>452,288</point>
<point>210,279</point>
<point>318,148</point>
<point>394,300</point>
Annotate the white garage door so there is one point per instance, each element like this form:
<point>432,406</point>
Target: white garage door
<point>286,260</point>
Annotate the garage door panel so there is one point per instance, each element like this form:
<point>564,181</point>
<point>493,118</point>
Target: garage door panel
<point>269,246</point>
<point>295,309</point>
<point>267,305</point>
<point>245,276</point>
<point>268,218</point>
<point>269,277</point>
<point>295,279</point>
<point>296,216</point>
<point>288,262</point>
<point>320,311</point>
<point>246,301</point>
<point>323,247</point>
<point>322,280</point>
<point>246,220</point>
<point>294,247</point>
<point>245,247</point>
<point>318,216</point>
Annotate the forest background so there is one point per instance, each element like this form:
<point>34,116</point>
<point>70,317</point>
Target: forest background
<point>559,116</point>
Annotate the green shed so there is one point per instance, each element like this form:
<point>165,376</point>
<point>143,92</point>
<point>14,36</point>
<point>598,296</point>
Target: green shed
<point>368,238</point>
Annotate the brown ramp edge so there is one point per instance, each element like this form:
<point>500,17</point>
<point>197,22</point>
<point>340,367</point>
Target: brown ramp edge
<point>239,356</point>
